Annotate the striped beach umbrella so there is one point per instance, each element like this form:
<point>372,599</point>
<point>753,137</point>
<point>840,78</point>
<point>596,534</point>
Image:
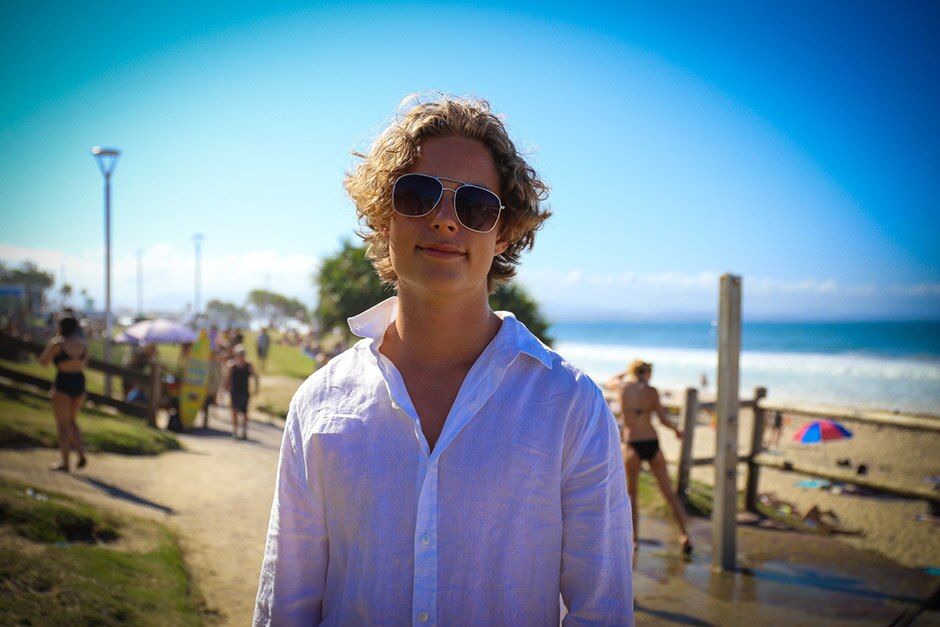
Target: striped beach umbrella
<point>819,431</point>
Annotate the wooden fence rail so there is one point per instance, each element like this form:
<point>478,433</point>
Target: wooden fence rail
<point>873,417</point>
<point>150,380</point>
<point>758,459</point>
<point>132,409</point>
<point>689,410</point>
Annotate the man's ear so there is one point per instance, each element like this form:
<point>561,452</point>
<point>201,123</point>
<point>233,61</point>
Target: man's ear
<point>501,247</point>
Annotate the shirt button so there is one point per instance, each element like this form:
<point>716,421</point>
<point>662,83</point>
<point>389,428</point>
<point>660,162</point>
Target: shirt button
<point>423,617</point>
<point>426,540</point>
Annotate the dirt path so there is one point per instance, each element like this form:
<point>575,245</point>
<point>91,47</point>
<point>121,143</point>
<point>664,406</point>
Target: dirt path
<point>216,495</point>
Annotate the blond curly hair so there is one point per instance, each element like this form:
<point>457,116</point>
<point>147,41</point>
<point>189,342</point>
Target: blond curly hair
<point>369,183</point>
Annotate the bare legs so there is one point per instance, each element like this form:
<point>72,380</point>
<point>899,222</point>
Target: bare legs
<point>66,409</point>
<point>633,478</point>
<point>244,424</point>
<point>658,467</point>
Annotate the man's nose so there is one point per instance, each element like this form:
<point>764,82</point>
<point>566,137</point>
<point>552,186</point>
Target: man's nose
<point>444,215</point>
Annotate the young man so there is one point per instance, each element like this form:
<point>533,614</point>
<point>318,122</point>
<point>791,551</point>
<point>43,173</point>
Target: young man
<point>237,375</point>
<point>449,468</point>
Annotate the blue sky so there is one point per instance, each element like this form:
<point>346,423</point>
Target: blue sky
<point>796,145</point>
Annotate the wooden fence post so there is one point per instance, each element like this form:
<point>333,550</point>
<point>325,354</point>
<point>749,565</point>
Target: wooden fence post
<point>156,391</point>
<point>724,505</point>
<point>689,415</point>
<point>757,445</point>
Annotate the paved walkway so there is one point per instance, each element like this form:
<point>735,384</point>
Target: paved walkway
<point>784,578</point>
<point>217,496</point>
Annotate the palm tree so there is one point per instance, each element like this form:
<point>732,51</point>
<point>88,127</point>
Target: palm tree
<point>66,293</point>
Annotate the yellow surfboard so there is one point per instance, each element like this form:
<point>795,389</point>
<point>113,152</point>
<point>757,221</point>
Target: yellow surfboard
<point>195,382</point>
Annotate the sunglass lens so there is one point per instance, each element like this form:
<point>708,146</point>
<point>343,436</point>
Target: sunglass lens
<point>416,195</point>
<point>477,208</point>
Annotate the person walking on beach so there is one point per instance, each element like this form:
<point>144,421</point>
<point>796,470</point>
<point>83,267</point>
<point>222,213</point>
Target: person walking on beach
<point>449,468</point>
<point>772,441</point>
<point>638,402</point>
<point>237,375</point>
<point>69,353</point>
<point>263,344</point>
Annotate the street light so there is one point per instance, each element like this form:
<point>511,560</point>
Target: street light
<point>197,240</point>
<point>140,282</point>
<point>107,159</point>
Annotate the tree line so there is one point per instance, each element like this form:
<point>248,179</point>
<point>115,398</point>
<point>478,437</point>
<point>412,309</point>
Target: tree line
<point>346,284</point>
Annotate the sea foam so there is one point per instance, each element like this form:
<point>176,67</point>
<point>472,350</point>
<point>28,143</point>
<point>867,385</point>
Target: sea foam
<point>910,384</point>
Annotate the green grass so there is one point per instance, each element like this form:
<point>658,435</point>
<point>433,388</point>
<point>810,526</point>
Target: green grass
<point>51,517</point>
<point>286,361</point>
<point>27,420</point>
<point>652,501</point>
<point>47,580</point>
<point>94,380</point>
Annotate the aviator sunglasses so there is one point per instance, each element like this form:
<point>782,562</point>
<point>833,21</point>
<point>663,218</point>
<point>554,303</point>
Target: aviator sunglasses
<point>416,195</point>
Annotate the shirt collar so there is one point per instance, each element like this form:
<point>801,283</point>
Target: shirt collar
<point>513,336</point>
<point>373,322</point>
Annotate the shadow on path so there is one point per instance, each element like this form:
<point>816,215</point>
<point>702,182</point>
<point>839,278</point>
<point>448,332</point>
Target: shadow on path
<point>672,617</point>
<point>210,432</point>
<point>117,492</point>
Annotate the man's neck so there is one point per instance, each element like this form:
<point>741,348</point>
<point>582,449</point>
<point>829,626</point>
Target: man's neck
<point>444,332</point>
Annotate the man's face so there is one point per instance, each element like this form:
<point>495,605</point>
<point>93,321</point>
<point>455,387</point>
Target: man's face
<point>434,253</point>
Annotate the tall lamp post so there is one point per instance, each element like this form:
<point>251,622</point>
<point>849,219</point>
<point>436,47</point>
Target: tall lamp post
<point>140,282</point>
<point>197,240</point>
<point>107,158</point>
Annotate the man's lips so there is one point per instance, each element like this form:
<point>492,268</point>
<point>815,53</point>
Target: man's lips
<point>441,251</point>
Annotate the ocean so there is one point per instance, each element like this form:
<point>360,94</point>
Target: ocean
<point>868,365</point>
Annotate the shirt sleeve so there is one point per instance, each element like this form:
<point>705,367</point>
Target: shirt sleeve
<point>597,535</point>
<point>293,572</point>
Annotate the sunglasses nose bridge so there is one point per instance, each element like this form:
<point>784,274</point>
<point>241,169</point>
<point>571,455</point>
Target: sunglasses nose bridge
<point>445,210</point>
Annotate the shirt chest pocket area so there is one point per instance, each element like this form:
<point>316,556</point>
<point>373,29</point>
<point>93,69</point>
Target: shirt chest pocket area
<point>349,454</point>
<point>343,442</point>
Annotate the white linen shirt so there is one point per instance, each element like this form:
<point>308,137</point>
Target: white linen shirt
<point>523,496</point>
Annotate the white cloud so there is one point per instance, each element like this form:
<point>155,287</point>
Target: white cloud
<point>44,258</point>
<point>764,285</point>
<point>576,292</point>
<point>920,289</point>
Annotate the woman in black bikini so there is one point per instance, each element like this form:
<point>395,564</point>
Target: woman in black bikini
<point>638,401</point>
<point>70,356</point>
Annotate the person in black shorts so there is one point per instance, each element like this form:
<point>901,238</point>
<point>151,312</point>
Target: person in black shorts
<point>639,401</point>
<point>68,352</point>
<point>236,382</point>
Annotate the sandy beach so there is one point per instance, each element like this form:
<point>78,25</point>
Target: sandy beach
<point>894,527</point>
